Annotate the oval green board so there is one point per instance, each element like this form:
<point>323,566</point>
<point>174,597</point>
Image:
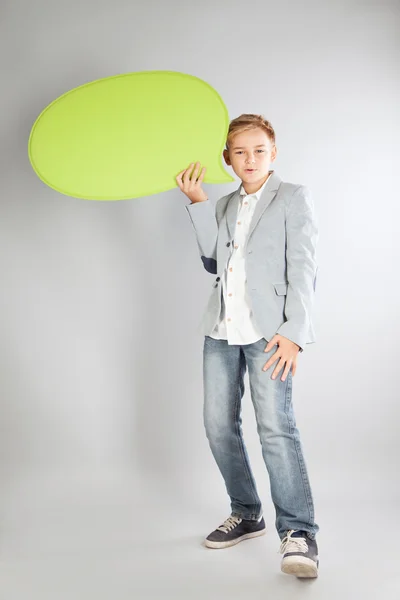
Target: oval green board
<point>129,135</point>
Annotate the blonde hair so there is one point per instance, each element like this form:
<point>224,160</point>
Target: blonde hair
<point>246,122</point>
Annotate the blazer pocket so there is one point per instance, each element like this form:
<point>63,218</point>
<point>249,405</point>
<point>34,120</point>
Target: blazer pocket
<point>280,288</point>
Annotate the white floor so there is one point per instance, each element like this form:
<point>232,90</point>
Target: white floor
<point>116,537</point>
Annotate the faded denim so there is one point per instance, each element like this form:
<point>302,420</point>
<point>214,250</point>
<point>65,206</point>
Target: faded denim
<point>224,367</point>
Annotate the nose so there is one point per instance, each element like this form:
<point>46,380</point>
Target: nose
<point>250,159</point>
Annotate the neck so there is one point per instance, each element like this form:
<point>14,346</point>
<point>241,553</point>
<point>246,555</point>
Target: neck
<point>252,188</point>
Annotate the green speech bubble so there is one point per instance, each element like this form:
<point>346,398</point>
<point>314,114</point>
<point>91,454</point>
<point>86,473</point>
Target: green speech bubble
<point>129,135</point>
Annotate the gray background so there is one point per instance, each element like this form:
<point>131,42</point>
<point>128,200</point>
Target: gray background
<point>107,482</point>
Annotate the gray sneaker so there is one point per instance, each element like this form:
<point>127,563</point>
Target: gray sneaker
<point>233,531</point>
<point>300,554</point>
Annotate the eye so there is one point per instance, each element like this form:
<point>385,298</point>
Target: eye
<point>260,150</point>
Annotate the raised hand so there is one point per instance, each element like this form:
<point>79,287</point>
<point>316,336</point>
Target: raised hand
<point>189,182</point>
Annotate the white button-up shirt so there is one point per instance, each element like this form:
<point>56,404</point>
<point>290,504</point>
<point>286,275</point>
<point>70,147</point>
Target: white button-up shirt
<point>236,323</point>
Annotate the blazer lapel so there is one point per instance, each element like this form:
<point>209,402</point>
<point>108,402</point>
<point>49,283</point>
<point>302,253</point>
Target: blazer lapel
<point>231,213</point>
<point>266,198</point>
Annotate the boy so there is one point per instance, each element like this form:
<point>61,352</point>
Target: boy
<point>260,240</point>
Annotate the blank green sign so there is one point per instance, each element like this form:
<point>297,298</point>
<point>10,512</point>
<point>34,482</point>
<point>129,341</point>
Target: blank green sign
<point>129,135</point>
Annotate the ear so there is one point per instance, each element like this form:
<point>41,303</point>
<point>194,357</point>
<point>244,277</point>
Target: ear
<point>274,153</point>
<point>226,157</point>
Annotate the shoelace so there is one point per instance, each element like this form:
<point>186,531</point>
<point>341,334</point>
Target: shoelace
<point>289,544</point>
<point>230,523</point>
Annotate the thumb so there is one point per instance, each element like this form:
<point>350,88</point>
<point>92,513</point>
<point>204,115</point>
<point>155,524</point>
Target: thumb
<point>271,343</point>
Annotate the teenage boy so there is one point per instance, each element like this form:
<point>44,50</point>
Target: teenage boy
<point>260,241</point>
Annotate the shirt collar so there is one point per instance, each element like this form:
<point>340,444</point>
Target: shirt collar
<point>259,192</point>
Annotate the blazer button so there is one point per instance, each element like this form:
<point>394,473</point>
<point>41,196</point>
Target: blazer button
<point>228,244</point>
<point>218,278</point>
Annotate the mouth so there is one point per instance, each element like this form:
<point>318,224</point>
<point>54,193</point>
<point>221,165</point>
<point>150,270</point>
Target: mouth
<point>250,170</point>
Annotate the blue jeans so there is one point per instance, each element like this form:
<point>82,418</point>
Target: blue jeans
<point>224,367</point>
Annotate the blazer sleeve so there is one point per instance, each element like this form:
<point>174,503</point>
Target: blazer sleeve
<point>204,222</point>
<point>301,241</point>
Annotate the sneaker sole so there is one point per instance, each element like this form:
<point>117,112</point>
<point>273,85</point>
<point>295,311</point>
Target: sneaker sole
<point>246,536</point>
<point>299,566</point>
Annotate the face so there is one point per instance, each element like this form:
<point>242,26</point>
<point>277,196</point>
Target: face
<point>250,155</point>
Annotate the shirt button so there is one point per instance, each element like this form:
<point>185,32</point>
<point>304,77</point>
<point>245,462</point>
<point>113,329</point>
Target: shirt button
<point>229,294</point>
<point>229,319</point>
<point>238,222</point>
<point>246,203</point>
<point>230,268</point>
<point>236,246</point>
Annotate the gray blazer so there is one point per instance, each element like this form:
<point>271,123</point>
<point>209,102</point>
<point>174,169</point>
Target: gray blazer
<point>280,251</point>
